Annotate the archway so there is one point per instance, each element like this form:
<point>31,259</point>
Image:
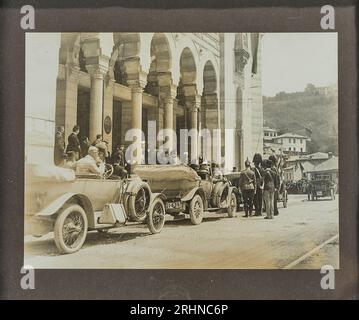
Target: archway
<point>189,100</point>
<point>209,113</point>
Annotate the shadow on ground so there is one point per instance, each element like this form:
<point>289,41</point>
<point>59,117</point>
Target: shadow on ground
<point>48,248</point>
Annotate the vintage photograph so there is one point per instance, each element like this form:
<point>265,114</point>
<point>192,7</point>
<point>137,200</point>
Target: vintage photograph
<point>181,150</point>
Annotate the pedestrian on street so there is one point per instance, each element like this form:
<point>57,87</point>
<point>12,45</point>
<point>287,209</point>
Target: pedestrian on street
<point>276,177</point>
<point>259,172</point>
<point>59,150</point>
<point>247,184</point>
<point>74,143</point>
<point>268,193</point>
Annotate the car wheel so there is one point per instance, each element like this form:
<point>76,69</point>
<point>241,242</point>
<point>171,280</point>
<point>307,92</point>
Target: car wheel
<point>138,203</point>
<point>70,229</point>
<point>156,216</point>
<point>196,209</point>
<point>232,207</point>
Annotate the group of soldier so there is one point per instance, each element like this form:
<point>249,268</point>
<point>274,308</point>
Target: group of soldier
<point>259,186</point>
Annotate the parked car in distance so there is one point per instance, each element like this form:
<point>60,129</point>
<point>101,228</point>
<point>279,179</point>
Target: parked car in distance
<point>57,200</point>
<point>319,188</point>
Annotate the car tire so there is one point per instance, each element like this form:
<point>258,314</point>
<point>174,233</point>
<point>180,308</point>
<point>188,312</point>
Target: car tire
<point>156,216</point>
<point>135,208</point>
<point>74,217</point>
<point>196,209</point>
<point>232,207</point>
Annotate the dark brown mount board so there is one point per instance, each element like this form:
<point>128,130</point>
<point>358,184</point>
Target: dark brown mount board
<point>218,16</point>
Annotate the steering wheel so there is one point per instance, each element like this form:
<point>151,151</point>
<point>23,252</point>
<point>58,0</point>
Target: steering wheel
<point>108,171</point>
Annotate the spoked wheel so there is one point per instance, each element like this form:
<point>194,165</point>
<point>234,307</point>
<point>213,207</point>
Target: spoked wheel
<point>232,208</point>
<point>139,202</point>
<point>156,216</point>
<point>70,229</point>
<point>196,209</point>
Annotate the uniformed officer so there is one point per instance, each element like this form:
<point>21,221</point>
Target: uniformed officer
<point>247,184</point>
<point>259,172</point>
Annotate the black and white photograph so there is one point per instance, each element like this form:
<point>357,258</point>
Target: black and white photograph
<point>179,155</point>
<point>181,150</point>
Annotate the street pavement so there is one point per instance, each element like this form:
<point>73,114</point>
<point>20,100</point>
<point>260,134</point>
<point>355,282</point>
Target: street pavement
<point>219,242</point>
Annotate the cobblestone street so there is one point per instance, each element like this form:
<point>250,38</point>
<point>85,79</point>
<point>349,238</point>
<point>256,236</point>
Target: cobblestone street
<point>219,242</point>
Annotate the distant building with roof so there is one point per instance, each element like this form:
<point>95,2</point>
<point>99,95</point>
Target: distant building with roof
<point>269,134</point>
<point>287,143</point>
<point>292,143</point>
<point>302,166</point>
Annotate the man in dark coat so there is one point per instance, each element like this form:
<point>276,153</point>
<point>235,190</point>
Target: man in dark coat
<point>85,145</point>
<point>59,150</point>
<point>74,143</point>
<point>259,172</point>
<point>118,160</point>
<point>269,189</point>
<point>276,178</point>
<point>247,184</point>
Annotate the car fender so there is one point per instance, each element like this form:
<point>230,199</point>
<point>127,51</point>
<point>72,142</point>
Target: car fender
<point>154,196</point>
<point>158,195</point>
<point>192,193</point>
<point>52,209</point>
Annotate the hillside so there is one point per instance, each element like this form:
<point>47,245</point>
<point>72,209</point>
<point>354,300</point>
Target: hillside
<point>302,112</point>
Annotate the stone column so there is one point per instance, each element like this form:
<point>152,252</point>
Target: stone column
<point>193,109</point>
<point>97,73</point>
<point>169,116</point>
<point>137,87</point>
<point>167,94</point>
<point>136,98</point>
<point>213,122</point>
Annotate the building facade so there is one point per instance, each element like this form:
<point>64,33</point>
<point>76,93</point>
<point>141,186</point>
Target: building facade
<point>108,83</point>
<point>292,143</point>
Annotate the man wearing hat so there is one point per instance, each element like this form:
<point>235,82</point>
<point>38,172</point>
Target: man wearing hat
<point>91,163</point>
<point>259,172</point>
<point>248,185</point>
<point>276,179</point>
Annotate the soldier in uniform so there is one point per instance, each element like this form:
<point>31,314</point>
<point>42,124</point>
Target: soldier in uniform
<point>248,186</point>
<point>276,179</point>
<point>259,172</point>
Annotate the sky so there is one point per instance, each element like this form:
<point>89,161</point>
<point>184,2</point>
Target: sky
<point>292,60</point>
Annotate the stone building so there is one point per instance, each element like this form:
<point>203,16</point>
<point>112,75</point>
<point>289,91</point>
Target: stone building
<point>109,83</point>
